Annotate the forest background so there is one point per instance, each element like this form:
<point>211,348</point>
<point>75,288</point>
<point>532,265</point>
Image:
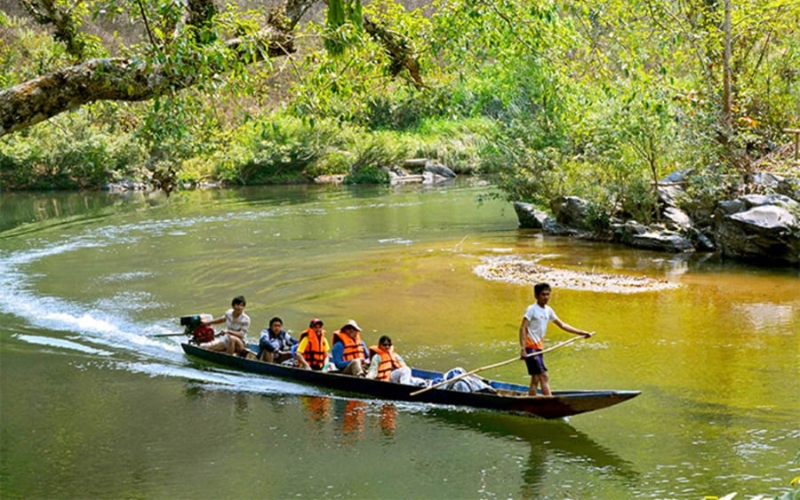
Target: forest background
<point>597,99</point>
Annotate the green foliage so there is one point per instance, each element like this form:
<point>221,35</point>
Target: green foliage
<point>26,54</point>
<point>403,108</point>
<point>368,175</point>
<point>706,187</point>
<point>281,149</point>
<point>377,152</point>
<point>594,99</point>
<point>73,154</point>
<point>344,21</point>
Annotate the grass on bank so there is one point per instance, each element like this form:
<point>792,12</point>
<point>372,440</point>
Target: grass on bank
<point>77,151</point>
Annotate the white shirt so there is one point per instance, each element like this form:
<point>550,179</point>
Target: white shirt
<point>240,324</point>
<point>538,318</point>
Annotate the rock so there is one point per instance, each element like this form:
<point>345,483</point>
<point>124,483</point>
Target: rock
<point>790,187</point>
<point>629,230</point>
<point>394,170</point>
<point>124,186</point>
<point>729,207</point>
<point>327,179</point>
<point>531,217</point>
<point>439,169</point>
<point>759,200</point>
<point>664,241</point>
<point>760,228</point>
<point>765,181</point>
<point>769,183</point>
<point>406,179</point>
<point>415,164</point>
<point>571,211</point>
<point>432,178</point>
<point>654,237</point>
<point>678,176</point>
<point>701,241</point>
<point>668,195</point>
<point>676,219</point>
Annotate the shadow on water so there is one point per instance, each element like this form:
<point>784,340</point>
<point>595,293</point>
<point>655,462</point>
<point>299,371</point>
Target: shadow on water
<point>355,420</point>
<point>547,439</point>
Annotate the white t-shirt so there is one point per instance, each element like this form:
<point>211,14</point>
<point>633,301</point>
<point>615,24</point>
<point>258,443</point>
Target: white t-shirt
<point>240,324</point>
<point>538,318</point>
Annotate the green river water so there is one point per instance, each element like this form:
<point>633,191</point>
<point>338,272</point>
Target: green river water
<point>92,406</point>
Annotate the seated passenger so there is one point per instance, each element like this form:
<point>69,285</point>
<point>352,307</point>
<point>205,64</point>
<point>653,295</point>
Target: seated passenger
<point>313,349</point>
<point>275,343</point>
<point>350,353</point>
<point>387,365</point>
<point>234,335</point>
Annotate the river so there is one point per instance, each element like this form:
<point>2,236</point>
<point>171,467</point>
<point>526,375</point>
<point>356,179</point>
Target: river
<point>93,406</point>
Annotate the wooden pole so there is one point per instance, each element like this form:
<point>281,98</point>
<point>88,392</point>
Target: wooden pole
<point>496,365</point>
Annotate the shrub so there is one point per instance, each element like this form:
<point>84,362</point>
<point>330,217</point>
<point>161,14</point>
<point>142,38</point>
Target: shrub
<point>75,155</point>
<point>368,175</point>
<point>280,149</point>
<point>372,154</point>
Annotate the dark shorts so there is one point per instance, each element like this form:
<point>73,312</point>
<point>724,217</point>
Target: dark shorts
<point>535,364</point>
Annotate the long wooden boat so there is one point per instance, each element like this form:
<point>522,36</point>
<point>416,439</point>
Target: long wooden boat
<point>512,398</point>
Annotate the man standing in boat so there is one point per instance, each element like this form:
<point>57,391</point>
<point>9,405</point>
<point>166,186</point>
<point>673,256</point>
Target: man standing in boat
<point>234,336</point>
<point>531,337</point>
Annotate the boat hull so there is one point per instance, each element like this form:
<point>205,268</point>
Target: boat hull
<point>561,404</point>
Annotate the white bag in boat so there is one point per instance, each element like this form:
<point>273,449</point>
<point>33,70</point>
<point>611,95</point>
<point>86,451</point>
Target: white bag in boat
<point>470,383</point>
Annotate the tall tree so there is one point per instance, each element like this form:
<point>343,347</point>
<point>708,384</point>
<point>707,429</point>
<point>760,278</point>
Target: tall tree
<point>187,43</point>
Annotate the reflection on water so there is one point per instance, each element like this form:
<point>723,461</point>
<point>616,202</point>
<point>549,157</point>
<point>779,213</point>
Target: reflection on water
<point>548,440</point>
<point>354,420</point>
<point>351,417</point>
<point>768,315</point>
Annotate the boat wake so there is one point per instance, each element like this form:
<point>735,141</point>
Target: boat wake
<point>104,329</point>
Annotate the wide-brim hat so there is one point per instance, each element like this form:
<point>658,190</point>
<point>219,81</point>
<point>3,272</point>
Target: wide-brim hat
<point>352,323</point>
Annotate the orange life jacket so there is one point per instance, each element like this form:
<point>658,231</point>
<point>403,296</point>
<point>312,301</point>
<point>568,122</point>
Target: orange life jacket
<point>353,348</point>
<point>389,361</point>
<point>314,354</point>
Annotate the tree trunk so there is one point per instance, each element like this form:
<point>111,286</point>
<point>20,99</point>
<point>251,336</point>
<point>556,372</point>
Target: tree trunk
<point>727,95</point>
<point>118,79</point>
<point>127,79</point>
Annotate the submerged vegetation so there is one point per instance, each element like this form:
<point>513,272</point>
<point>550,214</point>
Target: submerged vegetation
<point>594,99</point>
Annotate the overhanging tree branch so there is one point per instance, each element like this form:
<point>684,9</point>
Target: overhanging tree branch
<point>118,79</point>
<point>130,79</point>
<point>398,50</point>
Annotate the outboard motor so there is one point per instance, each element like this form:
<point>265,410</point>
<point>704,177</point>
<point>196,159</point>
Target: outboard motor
<point>194,328</point>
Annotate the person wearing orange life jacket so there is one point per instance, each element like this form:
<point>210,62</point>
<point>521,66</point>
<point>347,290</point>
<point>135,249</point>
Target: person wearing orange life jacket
<point>350,353</point>
<point>386,364</point>
<point>313,349</point>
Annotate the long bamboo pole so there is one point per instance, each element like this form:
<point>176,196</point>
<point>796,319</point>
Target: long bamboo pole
<point>496,365</point>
